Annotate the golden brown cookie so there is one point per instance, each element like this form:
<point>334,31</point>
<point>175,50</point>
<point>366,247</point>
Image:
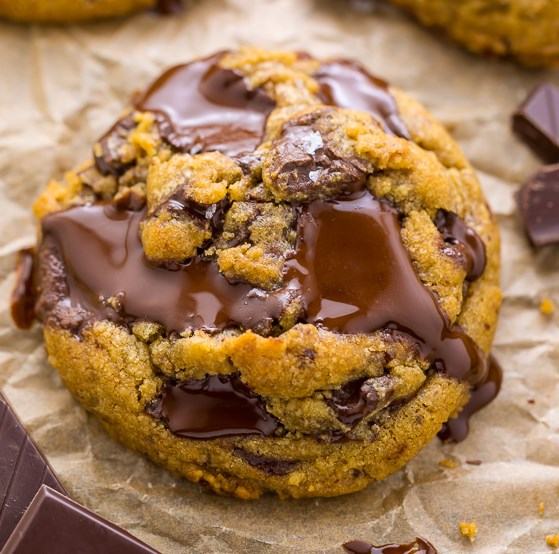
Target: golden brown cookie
<point>524,30</point>
<point>275,273</point>
<point>67,11</point>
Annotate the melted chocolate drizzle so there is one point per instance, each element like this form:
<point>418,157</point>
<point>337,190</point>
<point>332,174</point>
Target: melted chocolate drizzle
<point>356,276</point>
<point>463,243</point>
<point>347,84</point>
<point>217,406</point>
<point>22,305</point>
<point>419,546</point>
<point>201,106</point>
<point>457,429</point>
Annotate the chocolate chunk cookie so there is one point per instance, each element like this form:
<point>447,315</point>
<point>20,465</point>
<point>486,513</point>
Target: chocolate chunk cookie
<point>525,30</point>
<point>275,273</point>
<point>67,11</point>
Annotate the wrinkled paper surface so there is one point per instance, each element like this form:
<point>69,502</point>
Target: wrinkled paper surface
<point>62,87</point>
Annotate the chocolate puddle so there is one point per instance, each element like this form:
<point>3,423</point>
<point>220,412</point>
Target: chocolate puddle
<point>347,84</point>
<point>217,406</point>
<point>201,106</point>
<point>419,546</point>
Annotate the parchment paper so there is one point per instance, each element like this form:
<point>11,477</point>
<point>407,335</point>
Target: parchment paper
<point>61,87</point>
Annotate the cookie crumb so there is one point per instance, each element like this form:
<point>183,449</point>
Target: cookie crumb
<point>449,464</point>
<point>547,307</point>
<point>552,540</point>
<point>474,462</point>
<point>531,401</point>
<point>469,529</point>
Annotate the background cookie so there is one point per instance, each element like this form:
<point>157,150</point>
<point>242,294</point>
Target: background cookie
<point>66,11</point>
<point>264,205</point>
<point>526,30</point>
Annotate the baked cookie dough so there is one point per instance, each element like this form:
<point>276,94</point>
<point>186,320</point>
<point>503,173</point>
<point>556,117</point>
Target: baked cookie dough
<point>275,273</point>
<point>67,11</point>
<point>524,30</point>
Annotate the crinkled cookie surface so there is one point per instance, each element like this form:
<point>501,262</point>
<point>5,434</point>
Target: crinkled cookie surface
<point>276,273</point>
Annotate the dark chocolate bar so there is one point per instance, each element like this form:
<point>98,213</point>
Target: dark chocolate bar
<point>22,471</point>
<point>55,524</point>
<point>536,121</point>
<point>538,204</point>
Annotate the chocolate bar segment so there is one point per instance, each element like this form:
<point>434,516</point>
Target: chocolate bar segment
<point>22,471</point>
<point>57,524</point>
<point>538,204</point>
<point>536,121</point>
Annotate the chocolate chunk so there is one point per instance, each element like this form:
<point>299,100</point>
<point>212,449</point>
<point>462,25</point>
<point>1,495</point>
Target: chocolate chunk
<point>419,546</point>
<point>302,164</point>
<point>201,107</point>
<point>347,84</point>
<point>462,243</point>
<point>107,151</point>
<point>358,399</point>
<point>536,121</point>
<point>54,523</point>
<point>538,204</point>
<point>23,470</point>
<point>217,406</point>
<point>270,466</point>
<point>22,305</point>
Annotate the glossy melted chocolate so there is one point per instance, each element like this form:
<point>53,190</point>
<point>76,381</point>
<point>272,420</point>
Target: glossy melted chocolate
<point>347,84</point>
<point>104,258</point>
<point>457,429</point>
<point>217,406</point>
<point>463,243</point>
<point>356,276</point>
<point>22,305</point>
<point>419,546</point>
<point>201,106</point>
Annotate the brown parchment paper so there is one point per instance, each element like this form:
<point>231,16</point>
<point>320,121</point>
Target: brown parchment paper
<point>61,87</point>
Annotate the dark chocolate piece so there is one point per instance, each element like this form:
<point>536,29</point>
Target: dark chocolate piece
<point>358,399</point>
<point>536,121</point>
<point>201,106</point>
<point>54,523</point>
<point>23,470</point>
<point>106,152</point>
<point>217,406</point>
<point>538,204</point>
<point>270,466</point>
<point>457,429</point>
<point>462,243</point>
<point>347,84</point>
<point>419,546</point>
<point>22,305</point>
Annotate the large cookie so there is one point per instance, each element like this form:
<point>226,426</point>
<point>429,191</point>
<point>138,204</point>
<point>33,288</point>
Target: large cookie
<point>276,273</point>
<point>525,30</point>
<point>66,11</point>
